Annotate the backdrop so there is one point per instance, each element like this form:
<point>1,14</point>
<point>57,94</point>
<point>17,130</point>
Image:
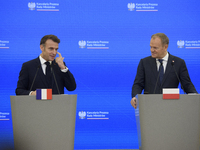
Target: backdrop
<point>102,42</point>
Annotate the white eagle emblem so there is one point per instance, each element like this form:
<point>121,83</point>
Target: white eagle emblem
<point>31,6</point>
<point>180,44</point>
<point>82,114</point>
<point>82,44</point>
<point>131,6</point>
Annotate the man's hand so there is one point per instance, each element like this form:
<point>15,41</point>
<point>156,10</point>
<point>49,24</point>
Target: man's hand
<point>59,61</point>
<point>134,102</point>
<point>33,93</point>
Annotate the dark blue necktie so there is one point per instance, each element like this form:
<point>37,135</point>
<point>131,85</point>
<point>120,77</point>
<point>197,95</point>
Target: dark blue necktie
<point>48,74</point>
<point>161,70</point>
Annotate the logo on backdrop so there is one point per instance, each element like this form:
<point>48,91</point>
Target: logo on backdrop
<point>94,44</point>
<point>4,44</point>
<point>31,6</point>
<point>82,44</point>
<point>93,115</point>
<point>4,116</point>
<point>82,114</point>
<point>180,44</point>
<point>131,6</point>
<point>43,6</point>
<point>188,44</point>
<point>142,6</point>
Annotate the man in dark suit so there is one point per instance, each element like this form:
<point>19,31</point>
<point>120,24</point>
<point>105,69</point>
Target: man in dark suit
<point>34,74</point>
<point>160,70</point>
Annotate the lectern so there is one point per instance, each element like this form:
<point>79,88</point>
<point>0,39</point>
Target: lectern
<point>168,124</point>
<point>44,124</point>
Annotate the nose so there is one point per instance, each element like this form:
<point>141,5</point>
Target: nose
<point>152,49</point>
<point>54,51</point>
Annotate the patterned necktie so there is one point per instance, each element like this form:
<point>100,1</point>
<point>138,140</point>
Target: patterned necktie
<point>161,70</point>
<point>48,74</point>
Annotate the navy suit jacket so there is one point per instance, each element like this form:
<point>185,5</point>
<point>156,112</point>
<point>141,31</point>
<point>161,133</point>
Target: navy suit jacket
<point>147,76</point>
<point>28,72</point>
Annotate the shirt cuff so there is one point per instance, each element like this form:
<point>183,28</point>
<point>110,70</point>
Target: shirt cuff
<point>65,70</point>
<point>30,92</point>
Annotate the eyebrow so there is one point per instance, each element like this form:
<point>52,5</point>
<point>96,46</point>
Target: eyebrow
<point>52,48</point>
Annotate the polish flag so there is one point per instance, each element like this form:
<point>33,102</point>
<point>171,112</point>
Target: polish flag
<point>171,93</point>
<point>43,94</point>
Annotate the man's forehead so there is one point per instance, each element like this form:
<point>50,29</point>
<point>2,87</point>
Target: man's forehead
<point>155,40</point>
<point>50,41</point>
<point>51,44</point>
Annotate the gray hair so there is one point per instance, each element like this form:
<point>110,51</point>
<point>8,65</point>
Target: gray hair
<point>163,37</point>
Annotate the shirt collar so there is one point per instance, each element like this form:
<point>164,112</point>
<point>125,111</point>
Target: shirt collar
<point>164,58</point>
<point>42,60</point>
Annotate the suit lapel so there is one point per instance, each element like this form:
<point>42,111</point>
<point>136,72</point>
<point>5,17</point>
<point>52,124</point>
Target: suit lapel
<point>154,67</point>
<point>168,68</point>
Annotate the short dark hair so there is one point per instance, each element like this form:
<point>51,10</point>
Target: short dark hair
<point>163,37</point>
<point>51,36</point>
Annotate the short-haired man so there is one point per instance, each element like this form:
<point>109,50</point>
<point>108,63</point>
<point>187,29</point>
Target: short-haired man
<point>159,70</point>
<point>33,74</point>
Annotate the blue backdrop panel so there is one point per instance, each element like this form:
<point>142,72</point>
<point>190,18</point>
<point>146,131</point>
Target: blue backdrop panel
<point>115,35</point>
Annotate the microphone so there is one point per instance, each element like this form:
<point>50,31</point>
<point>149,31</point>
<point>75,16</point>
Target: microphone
<point>172,63</point>
<point>34,78</point>
<point>157,81</point>
<point>55,80</point>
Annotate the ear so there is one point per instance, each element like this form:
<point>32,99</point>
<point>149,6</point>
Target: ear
<point>42,47</point>
<point>166,47</point>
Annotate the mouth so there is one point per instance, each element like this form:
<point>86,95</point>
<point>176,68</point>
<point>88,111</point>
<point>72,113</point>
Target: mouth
<point>153,54</point>
<point>52,57</point>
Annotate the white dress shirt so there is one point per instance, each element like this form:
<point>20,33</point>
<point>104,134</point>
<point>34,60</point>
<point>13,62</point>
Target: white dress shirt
<point>43,65</point>
<point>165,59</point>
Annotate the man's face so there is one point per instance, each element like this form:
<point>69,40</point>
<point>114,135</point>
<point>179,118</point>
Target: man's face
<point>49,50</point>
<point>157,49</point>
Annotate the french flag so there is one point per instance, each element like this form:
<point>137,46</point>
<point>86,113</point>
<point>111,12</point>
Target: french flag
<point>171,93</point>
<point>43,94</point>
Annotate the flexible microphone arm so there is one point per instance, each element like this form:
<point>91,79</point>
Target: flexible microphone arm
<point>34,78</point>
<point>177,76</point>
<point>157,80</point>
<point>55,80</point>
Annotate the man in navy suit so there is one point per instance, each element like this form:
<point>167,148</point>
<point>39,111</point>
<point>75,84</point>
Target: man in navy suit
<point>33,74</point>
<point>148,73</point>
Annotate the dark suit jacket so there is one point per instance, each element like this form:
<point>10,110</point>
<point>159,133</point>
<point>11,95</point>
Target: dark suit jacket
<point>147,75</point>
<point>28,72</point>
